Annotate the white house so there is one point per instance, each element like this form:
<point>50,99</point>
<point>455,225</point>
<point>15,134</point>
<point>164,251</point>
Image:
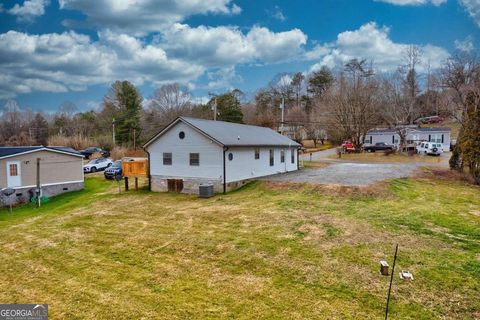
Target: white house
<point>414,135</point>
<point>190,152</point>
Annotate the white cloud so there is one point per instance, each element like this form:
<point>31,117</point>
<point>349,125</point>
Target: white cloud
<point>235,9</point>
<point>277,13</point>
<point>473,9</point>
<point>413,2</point>
<point>70,61</point>
<point>225,46</point>
<point>223,78</point>
<point>465,45</point>
<point>29,10</point>
<point>373,43</point>
<point>140,17</point>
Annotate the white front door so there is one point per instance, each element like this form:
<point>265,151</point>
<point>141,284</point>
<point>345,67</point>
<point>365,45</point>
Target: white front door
<point>14,175</point>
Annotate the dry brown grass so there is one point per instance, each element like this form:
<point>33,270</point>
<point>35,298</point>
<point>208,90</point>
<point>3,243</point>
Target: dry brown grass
<point>120,152</point>
<point>379,189</point>
<point>268,251</point>
<point>76,142</point>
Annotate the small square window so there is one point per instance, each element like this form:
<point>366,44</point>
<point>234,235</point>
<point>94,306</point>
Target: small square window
<point>257,153</point>
<point>13,170</point>
<point>194,159</point>
<point>167,158</point>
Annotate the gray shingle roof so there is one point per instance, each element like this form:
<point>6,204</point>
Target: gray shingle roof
<point>9,151</point>
<point>236,135</point>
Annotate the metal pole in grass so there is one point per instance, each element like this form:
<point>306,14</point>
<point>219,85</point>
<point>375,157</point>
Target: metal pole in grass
<point>118,178</point>
<point>391,281</point>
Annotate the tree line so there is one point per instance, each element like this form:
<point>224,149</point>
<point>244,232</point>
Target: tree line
<point>340,104</point>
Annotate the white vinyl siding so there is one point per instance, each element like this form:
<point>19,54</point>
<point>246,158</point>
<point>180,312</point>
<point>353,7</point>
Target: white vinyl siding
<point>243,164</point>
<point>211,154</point>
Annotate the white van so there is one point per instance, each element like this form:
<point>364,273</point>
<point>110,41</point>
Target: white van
<point>432,148</point>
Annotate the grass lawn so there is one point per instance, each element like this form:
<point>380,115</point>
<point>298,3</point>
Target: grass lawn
<point>379,157</point>
<point>265,251</point>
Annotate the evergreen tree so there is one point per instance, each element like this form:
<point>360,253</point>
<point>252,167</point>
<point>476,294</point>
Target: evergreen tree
<point>123,104</point>
<point>320,81</point>
<point>39,129</point>
<point>467,151</point>
<point>228,107</point>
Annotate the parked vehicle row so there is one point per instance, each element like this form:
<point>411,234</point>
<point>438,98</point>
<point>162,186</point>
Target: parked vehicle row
<point>431,148</point>
<point>97,165</point>
<point>379,146</point>
<point>115,170</point>
<point>87,152</point>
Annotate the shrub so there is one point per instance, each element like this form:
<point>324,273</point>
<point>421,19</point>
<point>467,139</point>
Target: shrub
<point>389,152</point>
<point>76,142</point>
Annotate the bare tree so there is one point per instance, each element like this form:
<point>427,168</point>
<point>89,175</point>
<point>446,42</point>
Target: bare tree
<point>411,87</point>
<point>395,108</point>
<point>352,103</point>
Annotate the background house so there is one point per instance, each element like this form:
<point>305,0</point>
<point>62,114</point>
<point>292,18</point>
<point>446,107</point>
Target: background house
<point>414,135</point>
<point>61,170</point>
<point>191,151</point>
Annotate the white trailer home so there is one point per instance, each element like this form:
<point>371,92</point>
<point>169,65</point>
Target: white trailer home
<point>414,135</point>
<point>190,152</point>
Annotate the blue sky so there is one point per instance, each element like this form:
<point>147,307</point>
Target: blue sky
<point>53,51</point>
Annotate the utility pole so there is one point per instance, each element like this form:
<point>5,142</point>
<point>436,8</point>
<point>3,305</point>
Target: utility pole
<point>134,134</point>
<point>113,132</point>
<point>215,110</point>
<point>38,183</point>
<point>282,106</point>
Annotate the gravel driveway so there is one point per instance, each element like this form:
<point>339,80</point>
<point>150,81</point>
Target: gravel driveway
<point>350,173</point>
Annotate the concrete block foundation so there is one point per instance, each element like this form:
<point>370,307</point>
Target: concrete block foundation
<point>23,195</point>
<point>191,185</point>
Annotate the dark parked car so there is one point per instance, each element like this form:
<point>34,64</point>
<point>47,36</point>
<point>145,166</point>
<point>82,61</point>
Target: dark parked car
<point>379,146</point>
<point>114,170</point>
<point>87,152</point>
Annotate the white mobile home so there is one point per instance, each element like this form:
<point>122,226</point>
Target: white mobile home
<point>414,135</point>
<point>190,152</point>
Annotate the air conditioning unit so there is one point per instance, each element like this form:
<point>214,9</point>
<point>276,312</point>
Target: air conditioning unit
<point>206,190</point>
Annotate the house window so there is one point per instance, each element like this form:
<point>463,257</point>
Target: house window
<point>436,138</point>
<point>181,135</point>
<point>282,156</point>
<point>230,156</point>
<point>13,170</point>
<point>257,153</point>
<point>292,155</point>
<point>194,159</point>
<point>272,160</point>
<point>167,158</point>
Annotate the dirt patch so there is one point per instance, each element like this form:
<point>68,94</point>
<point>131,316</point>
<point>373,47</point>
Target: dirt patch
<point>447,174</point>
<point>377,189</point>
<point>475,213</point>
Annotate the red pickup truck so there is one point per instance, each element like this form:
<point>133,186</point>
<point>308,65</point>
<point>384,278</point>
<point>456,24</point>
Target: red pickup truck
<point>348,145</point>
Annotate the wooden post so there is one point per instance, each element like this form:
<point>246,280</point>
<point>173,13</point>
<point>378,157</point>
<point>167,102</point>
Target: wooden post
<point>391,281</point>
<point>126,183</point>
<point>136,183</point>
<point>38,184</point>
